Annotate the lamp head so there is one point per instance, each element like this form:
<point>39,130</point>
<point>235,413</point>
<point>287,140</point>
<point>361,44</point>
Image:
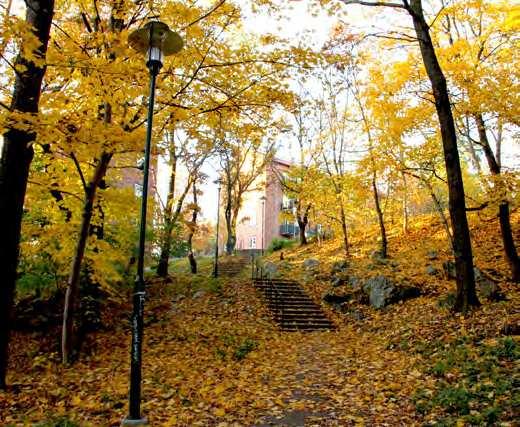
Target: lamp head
<point>156,40</point>
<point>218,182</point>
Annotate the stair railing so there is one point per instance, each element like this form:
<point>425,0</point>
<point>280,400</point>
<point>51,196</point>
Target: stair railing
<point>271,291</point>
<point>275,296</point>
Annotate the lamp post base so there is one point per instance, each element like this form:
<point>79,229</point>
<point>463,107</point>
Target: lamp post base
<point>134,423</point>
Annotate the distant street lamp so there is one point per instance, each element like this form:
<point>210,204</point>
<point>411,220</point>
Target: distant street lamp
<point>263,199</point>
<point>154,40</point>
<point>218,182</point>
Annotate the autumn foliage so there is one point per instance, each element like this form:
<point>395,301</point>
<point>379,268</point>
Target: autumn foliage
<point>401,124</point>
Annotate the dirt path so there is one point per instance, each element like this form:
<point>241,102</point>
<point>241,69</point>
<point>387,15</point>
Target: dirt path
<point>218,360</point>
<point>343,379</point>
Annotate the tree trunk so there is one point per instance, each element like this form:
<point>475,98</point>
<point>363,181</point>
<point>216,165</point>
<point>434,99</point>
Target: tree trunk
<point>503,209</point>
<point>232,234</point>
<point>166,243</point>
<point>72,294</point>
<point>303,221</point>
<point>69,331</point>
<point>405,205</point>
<point>498,150</point>
<point>384,241</point>
<point>343,221</point>
<point>193,225</point>
<point>440,211</point>
<point>466,292</point>
<point>382,229</point>
<point>302,225</point>
<point>508,242</point>
<point>227,217</point>
<point>17,154</point>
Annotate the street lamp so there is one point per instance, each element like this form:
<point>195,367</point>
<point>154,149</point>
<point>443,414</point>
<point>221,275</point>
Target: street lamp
<point>263,199</point>
<point>155,40</point>
<point>218,182</point>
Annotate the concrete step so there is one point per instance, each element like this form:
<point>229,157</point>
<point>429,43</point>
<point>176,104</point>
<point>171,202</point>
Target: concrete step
<point>293,302</point>
<point>300,324</point>
<point>292,309</point>
<point>288,298</point>
<point>297,315</point>
<point>283,294</point>
<point>302,311</point>
<point>306,328</point>
<point>275,285</point>
<point>277,281</point>
<point>282,291</point>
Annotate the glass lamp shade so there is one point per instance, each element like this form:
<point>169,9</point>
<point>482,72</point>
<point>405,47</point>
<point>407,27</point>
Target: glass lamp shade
<point>155,54</point>
<point>155,39</point>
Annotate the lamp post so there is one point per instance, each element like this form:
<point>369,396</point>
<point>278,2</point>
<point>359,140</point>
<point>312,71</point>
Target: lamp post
<point>215,265</point>
<point>263,199</point>
<point>155,40</point>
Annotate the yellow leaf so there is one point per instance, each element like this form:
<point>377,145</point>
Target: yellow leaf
<point>220,389</point>
<point>76,400</point>
<point>220,412</point>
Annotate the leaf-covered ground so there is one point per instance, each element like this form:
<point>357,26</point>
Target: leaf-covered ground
<point>213,358</point>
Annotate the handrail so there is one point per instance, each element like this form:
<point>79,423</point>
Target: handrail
<point>278,305</point>
<point>272,292</point>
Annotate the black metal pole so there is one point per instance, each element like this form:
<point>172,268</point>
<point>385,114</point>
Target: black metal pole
<point>215,266</point>
<point>134,417</point>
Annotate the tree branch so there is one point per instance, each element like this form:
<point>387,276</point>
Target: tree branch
<point>204,16</point>
<point>374,3</point>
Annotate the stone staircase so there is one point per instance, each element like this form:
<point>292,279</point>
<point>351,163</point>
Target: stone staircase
<point>232,265</point>
<point>291,307</point>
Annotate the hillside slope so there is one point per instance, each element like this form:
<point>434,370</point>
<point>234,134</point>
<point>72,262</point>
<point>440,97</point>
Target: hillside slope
<point>213,357</point>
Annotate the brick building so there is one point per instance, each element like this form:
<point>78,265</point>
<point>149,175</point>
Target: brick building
<point>259,219</point>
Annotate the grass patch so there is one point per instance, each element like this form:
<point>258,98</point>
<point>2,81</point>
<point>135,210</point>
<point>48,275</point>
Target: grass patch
<point>478,382</point>
<point>279,244</point>
<point>182,265</point>
<point>235,347</point>
<point>58,422</point>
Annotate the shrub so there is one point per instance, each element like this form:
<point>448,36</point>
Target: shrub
<point>39,275</point>
<point>480,378</point>
<point>454,399</point>
<point>238,348</point>
<point>507,349</point>
<point>279,244</point>
<point>246,347</point>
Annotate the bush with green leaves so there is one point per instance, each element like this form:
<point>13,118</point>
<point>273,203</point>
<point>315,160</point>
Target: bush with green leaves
<point>279,244</point>
<point>236,347</point>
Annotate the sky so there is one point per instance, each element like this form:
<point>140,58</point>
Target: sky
<point>298,22</point>
<point>296,26</point>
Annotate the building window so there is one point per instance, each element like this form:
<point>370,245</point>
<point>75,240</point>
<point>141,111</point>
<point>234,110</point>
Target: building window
<point>252,242</point>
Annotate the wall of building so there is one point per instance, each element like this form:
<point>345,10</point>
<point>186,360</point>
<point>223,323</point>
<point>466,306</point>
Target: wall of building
<point>249,224</point>
<point>253,211</point>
